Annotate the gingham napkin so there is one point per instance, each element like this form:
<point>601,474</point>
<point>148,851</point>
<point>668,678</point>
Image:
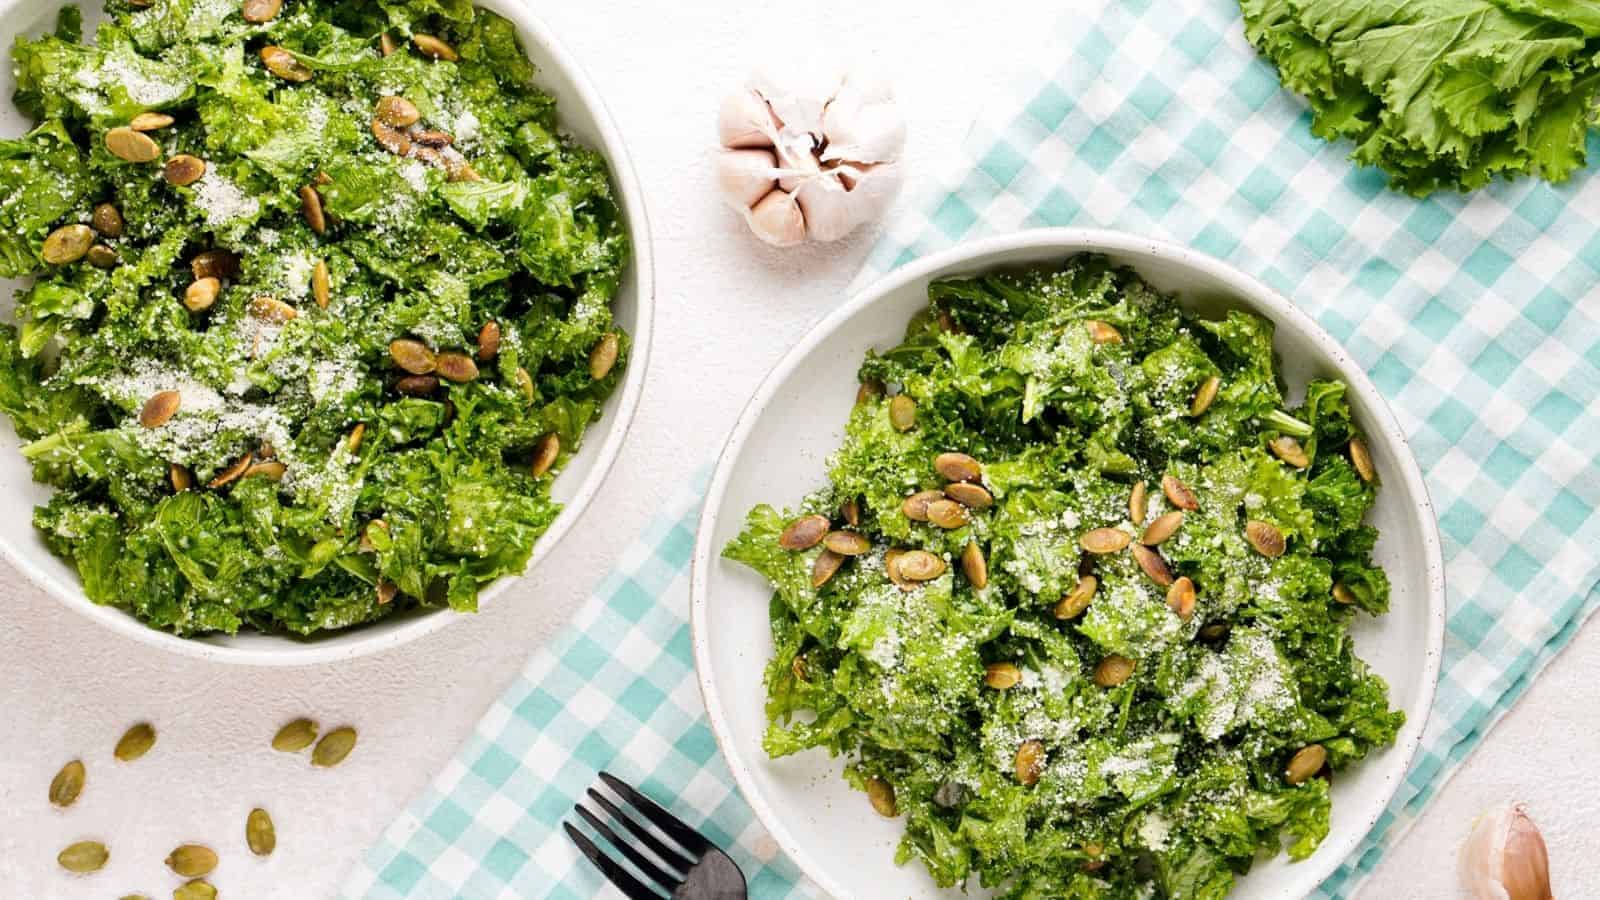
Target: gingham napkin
<point>1476,317</point>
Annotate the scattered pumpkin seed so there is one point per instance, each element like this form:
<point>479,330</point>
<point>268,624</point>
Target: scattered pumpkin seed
<point>198,889</point>
<point>489,341</point>
<point>1180,598</point>
<point>919,565</point>
<point>970,495</point>
<point>1215,631</point>
<point>386,592</point>
<point>458,169</point>
<point>180,478</point>
<point>457,367</point>
<point>271,309</point>
<point>391,138</point>
<point>868,391</point>
<point>135,742</point>
<point>83,857</point>
<point>974,566</point>
<point>847,543</point>
<point>891,567</point>
<point>132,146</point>
<point>413,356</point>
<point>947,322</point>
<point>214,264</point>
<point>798,668</point>
<point>1002,675</point>
<point>183,169</point>
<point>1103,332</point>
<point>271,469</point>
<point>1362,460</point>
<point>1265,538</point>
<point>902,412</point>
<point>417,385</point>
<point>231,473</point>
<point>283,64</point>
<point>334,747</point>
<point>545,453</point>
<point>68,783</point>
<point>1078,599</point>
<point>367,544</point>
<point>438,140</point>
<point>824,567</point>
<point>101,257</point>
<point>321,291</point>
<point>958,467</point>
<point>915,506</point>
<point>259,832</point>
<point>1343,594</point>
<point>1289,450</point>
<point>804,533</point>
<point>258,11</point>
<point>192,860</point>
<point>1113,670</point>
<point>1306,762</point>
<point>1137,505</point>
<point>850,511</point>
<point>107,220</point>
<point>1165,526</point>
<point>881,794</point>
<point>1093,850</point>
<point>397,111</point>
<point>1153,565</point>
<point>1101,541</point>
<point>311,209</point>
<point>948,514</point>
<point>1029,762</point>
<point>161,406</point>
<point>524,384</point>
<point>434,47</point>
<point>150,121</point>
<point>1178,493</point>
<point>67,244</point>
<point>604,356</point>
<point>1204,396</point>
<point>201,294</point>
<point>386,44</point>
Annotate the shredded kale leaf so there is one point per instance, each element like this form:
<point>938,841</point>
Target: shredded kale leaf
<point>365,495</point>
<point>1071,385</point>
<point>1442,93</point>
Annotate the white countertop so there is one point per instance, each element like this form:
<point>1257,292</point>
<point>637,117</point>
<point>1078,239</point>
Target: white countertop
<point>727,308</point>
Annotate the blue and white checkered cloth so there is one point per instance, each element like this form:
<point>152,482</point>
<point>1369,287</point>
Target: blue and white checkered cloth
<point>1478,317</point>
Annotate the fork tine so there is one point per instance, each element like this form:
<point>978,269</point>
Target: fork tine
<point>657,846</point>
<point>687,837</point>
<point>608,867</point>
<point>650,869</point>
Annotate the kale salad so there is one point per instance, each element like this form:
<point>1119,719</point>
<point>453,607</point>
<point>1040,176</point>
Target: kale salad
<point>319,303</point>
<point>1076,600</point>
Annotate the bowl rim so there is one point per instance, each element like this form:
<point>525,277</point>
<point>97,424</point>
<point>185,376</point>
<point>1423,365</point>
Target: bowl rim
<point>284,650</point>
<point>1252,291</point>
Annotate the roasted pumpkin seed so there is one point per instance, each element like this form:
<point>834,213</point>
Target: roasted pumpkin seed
<point>489,341</point>
<point>311,209</point>
<point>604,356</point>
<point>283,64</point>
<point>970,495</point>
<point>150,121</point>
<point>1265,538</point>
<point>915,506</point>
<point>880,794</point>
<point>413,356</point>
<point>180,478</point>
<point>198,889</point>
<point>258,11</point>
<point>272,469</point>
<point>1289,450</point>
<point>804,533</point>
<point>417,385</point>
<point>919,565</point>
<point>192,860</point>
<point>958,467</point>
<point>1112,671</point>
<point>434,47</point>
<point>974,566</point>
<point>391,138</point>
<point>1306,762</point>
<point>397,111</point>
<point>1153,565</point>
<point>1137,504</point>
<point>183,169</point>
<point>295,736</point>
<point>321,290</point>
<point>868,391</point>
<point>161,406</point>
<point>850,511</point>
<point>260,835</point>
<point>1180,598</point>
<point>458,169</point>
<point>230,474</point>
<point>524,384</point>
<point>902,412</point>
<point>847,543</point>
<point>132,146</point>
<point>457,367</point>
<point>271,309</point>
<point>824,567</point>
<point>101,257</point>
<point>1165,526</point>
<point>1002,675</point>
<point>1178,493</point>
<point>334,747</point>
<point>1215,631</point>
<point>1343,594</point>
<point>83,857</point>
<point>386,44</point>
<point>1103,332</point>
<point>68,783</point>
<point>438,140</point>
<point>1204,396</point>
<point>201,294</point>
<point>891,567</point>
<point>1029,762</point>
<point>135,742</point>
<point>215,264</point>
<point>545,453</point>
<point>1078,599</point>
<point>948,514</point>
<point>1361,459</point>
<point>67,244</point>
<point>1101,541</point>
<point>107,220</point>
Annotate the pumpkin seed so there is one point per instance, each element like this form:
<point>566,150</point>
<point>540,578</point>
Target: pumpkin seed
<point>969,495</point>
<point>311,209</point>
<point>434,47</point>
<point>850,511</point>
<point>413,356</point>
<point>321,291</point>
<point>417,385</point>
<point>947,322</point>
<point>295,736</point>
<point>1343,594</point>
<point>107,220</point>
<point>919,565</point>
<point>545,453</point>
<point>524,384</point>
<point>603,356</point>
<point>376,529</point>
<point>386,44</point>
<point>1266,539</point>
<point>150,121</point>
<point>974,566</point>
<point>823,568</point>
<point>902,412</point>
<point>132,146</point>
<point>1180,598</point>
<point>847,543</point>
<point>201,293</point>
<point>1103,333</point>
<point>881,794</point>
<point>391,138</point>
<point>1002,675</point>
<point>1165,526</point>
<point>489,341</point>
<point>214,264</point>
<point>798,668</point>
<point>183,169</point>
<point>136,742</point>
<point>1113,670</point>
<point>869,390</point>
<point>1178,493</point>
<point>1215,631</point>
<point>1101,541</point>
<point>386,592</point>
<point>102,257</point>
<point>1204,396</point>
<point>231,473</point>
<point>1306,762</point>
<point>1093,850</point>
<point>192,860</point>
<point>948,514</point>
<point>68,783</point>
<point>334,747</point>
<point>353,442</point>
<point>915,506</point>
<point>457,367</point>
<point>1029,762</point>
<point>958,467</point>
<point>804,533</point>
<point>271,309</point>
<point>458,169</point>
<point>67,244</point>
<point>397,111</point>
<point>1137,505</point>
<point>158,409</point>
<point>259,11</point>
<point>438,140</point>
<point>1362,460</point>
<point>283,64</point>
<point>198,889</point>
<point>271,469</point>
<point>1153,565</point>
<point>1289,450</point>
<point>891,567</point>
<point>1078,599</point>
<point>83,857</point>
<point>180,478</point>
<point>259,832</point>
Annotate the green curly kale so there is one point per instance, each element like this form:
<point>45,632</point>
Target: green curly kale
<point>301,481</point>
<point>1442,93</point>
<point>1003,719</point>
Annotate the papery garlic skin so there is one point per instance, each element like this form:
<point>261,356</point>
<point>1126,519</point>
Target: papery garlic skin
<point>812,158</point>
<point>1504,858</point>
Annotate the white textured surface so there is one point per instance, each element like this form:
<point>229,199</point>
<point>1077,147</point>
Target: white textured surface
<point>727,309</point>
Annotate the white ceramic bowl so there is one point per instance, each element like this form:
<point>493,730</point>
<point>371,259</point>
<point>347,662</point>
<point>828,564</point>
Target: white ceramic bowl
<point>583,115</point>
<point>776,454</point>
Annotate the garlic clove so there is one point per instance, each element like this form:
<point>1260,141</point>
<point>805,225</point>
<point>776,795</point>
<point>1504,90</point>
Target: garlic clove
<point>745,176</point>
<point>776,219</point>
<point>863,126</point>
<point>829,212</point>
<point>1504,858</point>
<point>745,120</point>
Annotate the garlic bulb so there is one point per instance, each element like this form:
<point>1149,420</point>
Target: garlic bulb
<point>1504,858</point>
<point>811,159</point>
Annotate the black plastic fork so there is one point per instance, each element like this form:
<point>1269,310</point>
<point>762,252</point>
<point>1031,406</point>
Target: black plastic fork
<point>696,870</point>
